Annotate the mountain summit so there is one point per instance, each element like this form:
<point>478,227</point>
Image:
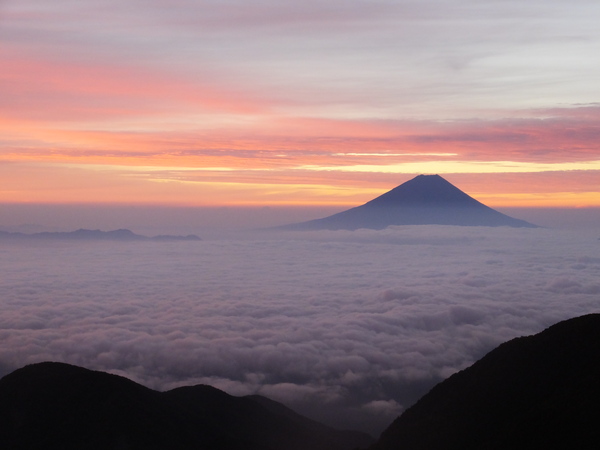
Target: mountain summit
<point>424,200</point>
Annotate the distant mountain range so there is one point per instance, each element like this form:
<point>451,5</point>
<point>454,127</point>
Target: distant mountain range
<point>96,235</point>
<point>424,200</point>
<point>535,392</point>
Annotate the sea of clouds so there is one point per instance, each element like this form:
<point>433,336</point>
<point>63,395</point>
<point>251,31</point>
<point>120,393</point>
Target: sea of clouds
<point>347,327</point>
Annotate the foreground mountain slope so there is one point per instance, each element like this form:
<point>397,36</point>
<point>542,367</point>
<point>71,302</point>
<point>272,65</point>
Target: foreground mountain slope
<point>59,406</point>
<point>424,200</point>
<point>535,392</point>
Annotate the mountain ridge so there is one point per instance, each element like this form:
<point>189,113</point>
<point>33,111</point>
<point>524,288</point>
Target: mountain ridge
<point>55,405</point>
<point>539,391</point>
<point>84,234</point>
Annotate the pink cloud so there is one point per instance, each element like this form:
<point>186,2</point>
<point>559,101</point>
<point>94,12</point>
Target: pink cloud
<point>54,90</point>
<point>276,142</point>
<point>266,89</point>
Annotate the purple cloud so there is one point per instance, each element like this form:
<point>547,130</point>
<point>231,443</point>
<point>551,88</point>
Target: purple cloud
<point>348,327</point>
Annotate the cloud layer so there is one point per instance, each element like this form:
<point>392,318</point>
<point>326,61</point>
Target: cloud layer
<point>348,327</point>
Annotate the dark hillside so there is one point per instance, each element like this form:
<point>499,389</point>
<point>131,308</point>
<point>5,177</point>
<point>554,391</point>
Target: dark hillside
<point>535,392</point>
<point>59,406</point>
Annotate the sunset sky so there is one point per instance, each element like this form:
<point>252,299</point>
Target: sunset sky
<point>204,103</point>
<point>221,118</point>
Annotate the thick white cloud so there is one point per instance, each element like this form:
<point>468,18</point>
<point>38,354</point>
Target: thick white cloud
<point>348,327</point>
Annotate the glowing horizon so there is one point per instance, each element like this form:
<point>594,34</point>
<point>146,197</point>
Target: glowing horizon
<point>297,104</point>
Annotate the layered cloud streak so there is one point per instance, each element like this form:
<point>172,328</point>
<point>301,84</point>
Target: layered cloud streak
<point>285,86</point>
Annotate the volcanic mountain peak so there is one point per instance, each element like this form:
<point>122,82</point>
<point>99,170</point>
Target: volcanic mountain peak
<point>424,190</point>
<point>424,200</point>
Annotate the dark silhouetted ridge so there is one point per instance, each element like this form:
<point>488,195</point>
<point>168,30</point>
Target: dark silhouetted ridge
<point>424,200</point>
<point>60,406</point>
<point>536,392</point>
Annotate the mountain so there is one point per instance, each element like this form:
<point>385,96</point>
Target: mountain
<point>536,392</point>
<point>424,200</point>
<point>59,406</point>
<point>96,235</point>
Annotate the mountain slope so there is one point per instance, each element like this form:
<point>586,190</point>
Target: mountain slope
<point>540,391</point>
<point>59,406</point>
<point>424,200</point>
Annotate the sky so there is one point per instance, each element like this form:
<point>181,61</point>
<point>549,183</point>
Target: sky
<point>287,103</point>
<point>347,327</point>
<point>178,116</point>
